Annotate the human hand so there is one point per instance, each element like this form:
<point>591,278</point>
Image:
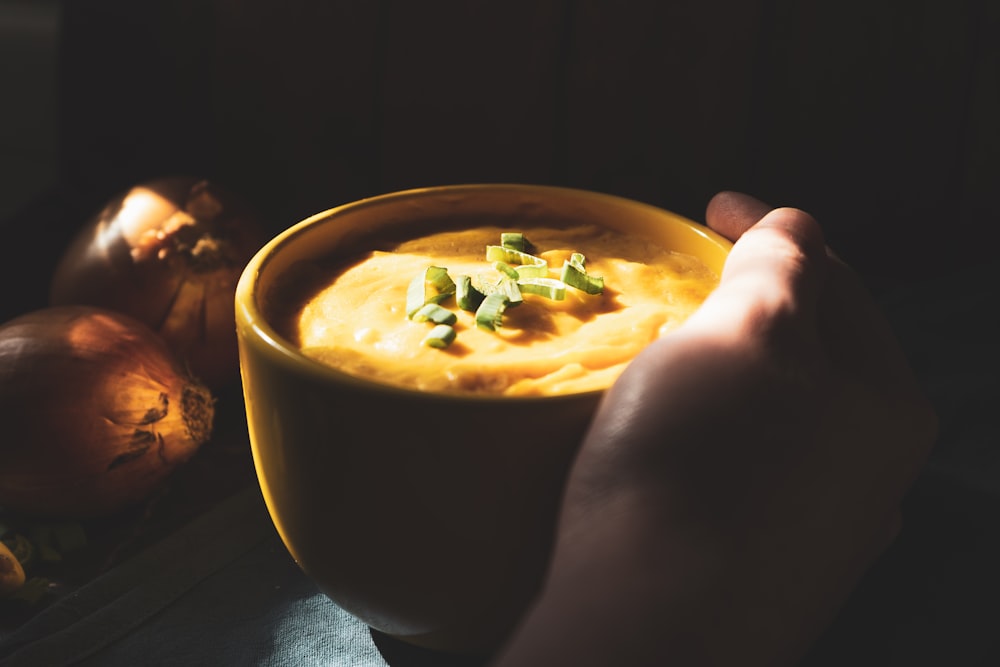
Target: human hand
<point>742,474</point>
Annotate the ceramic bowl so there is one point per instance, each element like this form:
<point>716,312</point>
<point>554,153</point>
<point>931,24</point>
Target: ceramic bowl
<point>438,541</point>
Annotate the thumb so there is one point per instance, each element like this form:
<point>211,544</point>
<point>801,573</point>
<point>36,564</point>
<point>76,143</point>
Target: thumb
<point>775,270</point>
<point>732,213</point>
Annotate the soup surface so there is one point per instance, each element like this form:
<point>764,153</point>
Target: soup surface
<point>355,318</point>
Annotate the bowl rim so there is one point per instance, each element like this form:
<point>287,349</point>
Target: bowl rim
<point>248,314</point>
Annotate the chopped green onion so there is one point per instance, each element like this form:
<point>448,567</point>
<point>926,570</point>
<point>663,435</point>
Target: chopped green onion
<point>550,288</point>
<point>434,285</point>
<point>506,269</point>
<point>489,315</point>
<point>574,275</point>
<point>416,295</point>
<point>532,270</point>
<point>514,241</point>
<point>431,312</point>
<point>497,253</point>
<point>517,272</point>
<point>504,286</point>
<point>439,279</point>
<point>510,290</point>
<point>467,296</point>
<point>441,336</point>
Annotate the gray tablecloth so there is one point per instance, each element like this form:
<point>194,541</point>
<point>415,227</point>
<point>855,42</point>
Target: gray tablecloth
<point>223,591</point>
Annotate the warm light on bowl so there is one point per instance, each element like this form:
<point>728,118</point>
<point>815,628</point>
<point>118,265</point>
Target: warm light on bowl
<point>403,508</point>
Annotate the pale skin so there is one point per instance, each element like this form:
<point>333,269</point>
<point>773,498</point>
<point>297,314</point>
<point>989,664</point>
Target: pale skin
<point>742,474</point>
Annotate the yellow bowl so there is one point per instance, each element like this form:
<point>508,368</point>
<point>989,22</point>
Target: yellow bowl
<point>440,541</point>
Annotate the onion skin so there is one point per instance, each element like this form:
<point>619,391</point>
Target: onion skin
<point>11,571</point>
<point>168,252</point>
<point>96,413</point>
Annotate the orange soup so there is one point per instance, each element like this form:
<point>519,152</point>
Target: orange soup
<point>551,338</point>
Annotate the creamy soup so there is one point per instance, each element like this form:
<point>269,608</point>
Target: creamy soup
<point>356,318</point>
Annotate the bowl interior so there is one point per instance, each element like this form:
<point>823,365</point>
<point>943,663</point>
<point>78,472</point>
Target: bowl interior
<point>262,295</point>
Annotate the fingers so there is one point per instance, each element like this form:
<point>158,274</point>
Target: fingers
<point>790,238</point>
<point>780,271</point>
<point>777,266</point>
<point>732,213</point>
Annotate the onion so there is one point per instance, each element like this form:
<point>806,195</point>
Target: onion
<point>11,571</point>
<point>96,412</point>
<point>168,252</point>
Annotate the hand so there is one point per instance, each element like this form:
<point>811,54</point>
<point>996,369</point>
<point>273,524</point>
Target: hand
<point>742,474</point>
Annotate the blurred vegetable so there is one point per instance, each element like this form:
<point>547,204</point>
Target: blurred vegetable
<point>11,572</point>
<point>53,540</point>
<point>96,412</point>
<point>169,253</point>
<point>21,547</point>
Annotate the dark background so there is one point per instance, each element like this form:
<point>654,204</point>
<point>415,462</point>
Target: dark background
<point>881,118</point>
<point>878,117</point>
<point>28,51</point>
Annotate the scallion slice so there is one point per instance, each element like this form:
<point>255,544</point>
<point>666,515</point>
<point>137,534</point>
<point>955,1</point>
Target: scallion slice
<point>506,269</point>
<point>467,296</point>
<point>550,288</point>
<point>516,271</point>
<point>574,275</point>
<point>498,253</point>
<point>415,295</point>
<point>509,289</point>
<point>441,336</point>
<point>489,315</point>
<point>532,270</point>
<point>432,312</point>
<point>434,285</point>
<point>440,282</point>
<point>514,241</point>
<point>503,285</point>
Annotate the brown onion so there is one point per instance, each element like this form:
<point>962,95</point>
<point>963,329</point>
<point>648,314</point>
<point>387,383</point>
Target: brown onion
<point>95,410</point>
<point>168,252</point>
<point>11,571</point>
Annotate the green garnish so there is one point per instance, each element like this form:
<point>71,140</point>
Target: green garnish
<point>416,295</point>
<point>574,275</point>
<point>467,296</point>
<point>532,271</point>
<point>517,272</point>
<point>506,286</point>
<point>432,312</point>
<point>489,315</point>
<point>441,336</point>
<point>550,288</point>
<point>498,253</point>
<point>434,285</point>
<point>506,269</point>
<point>514,241</point>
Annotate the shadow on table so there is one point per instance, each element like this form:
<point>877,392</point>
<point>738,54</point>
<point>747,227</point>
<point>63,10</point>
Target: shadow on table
<point>931,599</point>
<point>401,654</point>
